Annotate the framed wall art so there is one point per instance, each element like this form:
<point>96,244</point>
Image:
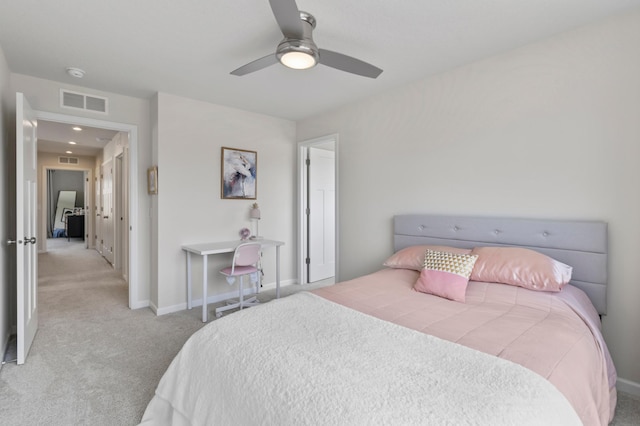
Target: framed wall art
<point>239,174</point>
<point>152,180</point>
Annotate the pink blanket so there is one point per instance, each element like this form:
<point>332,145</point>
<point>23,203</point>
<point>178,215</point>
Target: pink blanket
<point>538,330</point>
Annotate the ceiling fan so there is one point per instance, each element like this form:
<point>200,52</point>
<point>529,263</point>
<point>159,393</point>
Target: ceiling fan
<point>298,51</point>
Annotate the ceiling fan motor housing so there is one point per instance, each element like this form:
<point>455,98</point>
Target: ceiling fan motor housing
<point>303,45</point>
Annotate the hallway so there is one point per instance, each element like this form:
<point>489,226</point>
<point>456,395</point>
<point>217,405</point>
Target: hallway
<point>93,360</point>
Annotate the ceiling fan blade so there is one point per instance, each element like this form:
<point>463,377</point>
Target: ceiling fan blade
<point>256,65</point>
<point>288,17</point>
<point>347,63</point>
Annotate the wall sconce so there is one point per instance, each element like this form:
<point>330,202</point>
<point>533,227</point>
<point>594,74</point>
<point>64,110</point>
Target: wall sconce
<point>254,213</point>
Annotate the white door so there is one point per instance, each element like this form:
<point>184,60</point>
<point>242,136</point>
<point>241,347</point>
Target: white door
<point>108,232</point>
<point>87,210</point>
<point>26,205</point>
<point>97,198</point>
<point>118,212</point>
<point>321,208</point>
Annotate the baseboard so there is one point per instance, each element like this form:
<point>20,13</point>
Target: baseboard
<point>627,386</point>
<point>216,298</point>
<point>171,309</point>
<point>283,283</point>
<point>141,304</point>
<point>3,349</point>
<point>153,307</point>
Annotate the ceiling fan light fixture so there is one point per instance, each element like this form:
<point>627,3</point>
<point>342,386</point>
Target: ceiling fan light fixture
<point>298,51</point>
<point>298,54</point>
<point>298,60</point>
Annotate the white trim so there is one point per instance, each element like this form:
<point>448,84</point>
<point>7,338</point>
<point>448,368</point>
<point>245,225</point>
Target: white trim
<point>132,129</point>
<point>627,386</point>
<point>283,283</point>
<point>141,304</point>
<point>302,219</point>
<point>3,349</point>
<point>215,298</point>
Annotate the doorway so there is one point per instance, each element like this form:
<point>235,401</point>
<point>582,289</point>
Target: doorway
<point>131,190</point>
<point>64,200</point>
<point>318,210</point>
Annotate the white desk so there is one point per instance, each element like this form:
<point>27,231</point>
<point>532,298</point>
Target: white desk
<point>205,249</point>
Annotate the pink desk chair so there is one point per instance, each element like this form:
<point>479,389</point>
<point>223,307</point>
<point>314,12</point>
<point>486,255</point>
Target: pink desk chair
<point>245,262</point>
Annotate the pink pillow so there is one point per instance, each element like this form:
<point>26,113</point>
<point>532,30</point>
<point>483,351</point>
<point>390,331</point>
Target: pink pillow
<point>413,257</point>
<point>445,274</point>
<point>520,267</point>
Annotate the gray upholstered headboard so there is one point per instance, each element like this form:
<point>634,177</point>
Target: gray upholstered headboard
<point>580,244</point>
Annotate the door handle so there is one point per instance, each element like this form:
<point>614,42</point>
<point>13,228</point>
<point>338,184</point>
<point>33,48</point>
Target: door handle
<point>31,240</point>
<point>106,217</point>
<point>11,242</point>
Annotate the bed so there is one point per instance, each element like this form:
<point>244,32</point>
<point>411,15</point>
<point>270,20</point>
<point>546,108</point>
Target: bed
<point>373,350</point>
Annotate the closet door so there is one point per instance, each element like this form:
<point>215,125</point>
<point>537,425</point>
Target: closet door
<point>322,230</point>
<point>98,210</point>
<point>108,230</point>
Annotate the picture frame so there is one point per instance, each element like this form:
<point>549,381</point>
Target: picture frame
<point>238,174</point>
<point>152,180</point>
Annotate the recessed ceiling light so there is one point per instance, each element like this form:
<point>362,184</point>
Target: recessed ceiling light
<point>72,143</point>
<point>75,72</point>
<point>77,129</point>
<point>69,152</point>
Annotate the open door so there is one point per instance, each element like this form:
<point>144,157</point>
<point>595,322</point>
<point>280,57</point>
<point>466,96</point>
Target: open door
<point>97,198</point>
<point>26,205</point>
<point>107,211</point>
<point>86,175</point>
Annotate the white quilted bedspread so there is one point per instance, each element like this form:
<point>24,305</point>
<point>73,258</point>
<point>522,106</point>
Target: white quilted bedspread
<point>303,360</point>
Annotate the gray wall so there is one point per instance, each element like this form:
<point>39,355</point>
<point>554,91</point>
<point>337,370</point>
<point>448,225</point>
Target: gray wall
<point>188,208</point>
<point>69,180</point>
<point>549,130</point>
<point>64,180</point>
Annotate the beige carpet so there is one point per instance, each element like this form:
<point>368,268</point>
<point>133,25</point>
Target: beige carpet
<point>93,361</point>
<point>96,362</point>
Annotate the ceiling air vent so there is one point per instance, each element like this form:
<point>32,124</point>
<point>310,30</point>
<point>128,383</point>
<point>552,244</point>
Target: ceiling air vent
<point>68,160</point>
<point>82,101</point>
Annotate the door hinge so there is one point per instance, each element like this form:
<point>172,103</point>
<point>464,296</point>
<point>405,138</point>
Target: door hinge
<point>308,212</point>
<point>307,261</point>
<point>308,162</point>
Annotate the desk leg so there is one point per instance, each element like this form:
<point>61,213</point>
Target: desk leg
<point>189,295</point>
<point>204,288</point>
<point>277,272</point>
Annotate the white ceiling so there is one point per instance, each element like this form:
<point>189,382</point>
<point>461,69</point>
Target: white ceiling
<point>55,138</point>
<point>188,47</point>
